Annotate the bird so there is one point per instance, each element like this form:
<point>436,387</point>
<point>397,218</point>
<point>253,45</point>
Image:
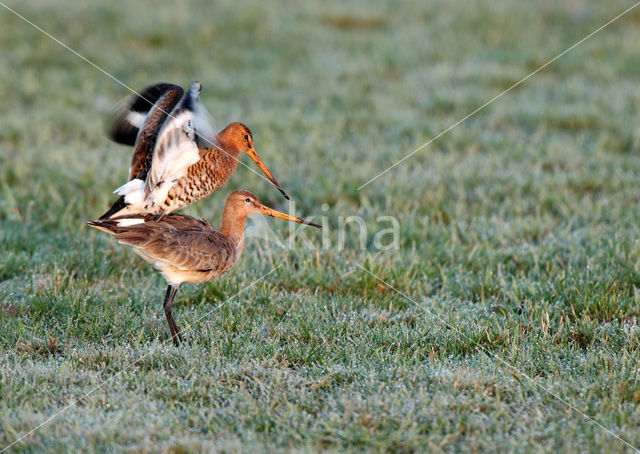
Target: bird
<point>177,158</point>
<point>185,249</point>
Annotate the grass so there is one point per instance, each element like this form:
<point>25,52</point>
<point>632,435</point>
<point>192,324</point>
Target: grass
<point>519,229</point>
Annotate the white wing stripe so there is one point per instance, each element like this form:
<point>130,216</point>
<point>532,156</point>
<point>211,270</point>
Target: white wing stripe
<point>129,222</point>
<point>136,118</point>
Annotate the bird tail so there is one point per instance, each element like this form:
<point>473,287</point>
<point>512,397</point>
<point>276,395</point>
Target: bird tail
<point>115,226</point>
<point>130,200</point>
<point>105,226</point>
<point>118,205</point>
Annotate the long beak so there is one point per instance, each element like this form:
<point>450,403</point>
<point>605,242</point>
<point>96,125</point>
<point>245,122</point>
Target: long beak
<point>276,214</point>
<point>253,155</point>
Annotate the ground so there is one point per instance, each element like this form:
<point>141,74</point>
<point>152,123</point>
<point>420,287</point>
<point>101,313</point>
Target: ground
<point>518,254</point>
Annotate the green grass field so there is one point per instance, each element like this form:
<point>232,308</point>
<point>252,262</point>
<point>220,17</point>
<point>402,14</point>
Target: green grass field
<point>519,231</point>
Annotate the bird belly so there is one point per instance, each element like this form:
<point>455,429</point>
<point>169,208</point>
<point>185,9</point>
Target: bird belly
<point>175,276</point>
<point>172,274</point>
<point>197,184</point>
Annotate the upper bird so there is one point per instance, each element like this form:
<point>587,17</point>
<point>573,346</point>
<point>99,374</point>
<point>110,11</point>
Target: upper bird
<point>177,158</point>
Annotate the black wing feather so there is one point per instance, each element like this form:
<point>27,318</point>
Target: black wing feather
<point>122,130</point>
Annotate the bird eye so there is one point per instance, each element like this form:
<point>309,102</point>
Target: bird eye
<point>248,200</point>
<point>246,137</point>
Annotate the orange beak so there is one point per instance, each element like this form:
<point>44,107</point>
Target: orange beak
<point>253,155</point>
<point>276,214</point>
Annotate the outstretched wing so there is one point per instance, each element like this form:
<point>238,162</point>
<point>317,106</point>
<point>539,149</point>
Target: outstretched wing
<point>148,134</point>
<point>180,137</point>
<point>127,122</point>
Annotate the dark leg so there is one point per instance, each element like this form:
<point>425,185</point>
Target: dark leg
<point>173,326</point>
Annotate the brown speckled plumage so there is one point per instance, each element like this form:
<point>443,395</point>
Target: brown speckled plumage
<point>202,178</point>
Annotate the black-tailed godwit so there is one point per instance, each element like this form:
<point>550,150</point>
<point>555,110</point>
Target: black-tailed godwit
<point>186,249</point>
<point>177,159</point>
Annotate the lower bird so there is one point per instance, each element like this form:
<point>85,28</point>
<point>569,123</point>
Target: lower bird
<point>186,249</point>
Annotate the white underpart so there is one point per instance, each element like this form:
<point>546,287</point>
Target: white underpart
<point>133,192</point>
<point>175,151</point>
<point>136,118</point>
<point>171,274</point>
<point>129,222</point>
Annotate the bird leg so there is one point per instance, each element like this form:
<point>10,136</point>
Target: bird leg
<point>173,326</point>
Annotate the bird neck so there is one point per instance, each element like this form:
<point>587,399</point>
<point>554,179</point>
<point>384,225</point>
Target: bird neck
<point>227,142</point>
<point>233,225</point>
<point>227,155</point>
